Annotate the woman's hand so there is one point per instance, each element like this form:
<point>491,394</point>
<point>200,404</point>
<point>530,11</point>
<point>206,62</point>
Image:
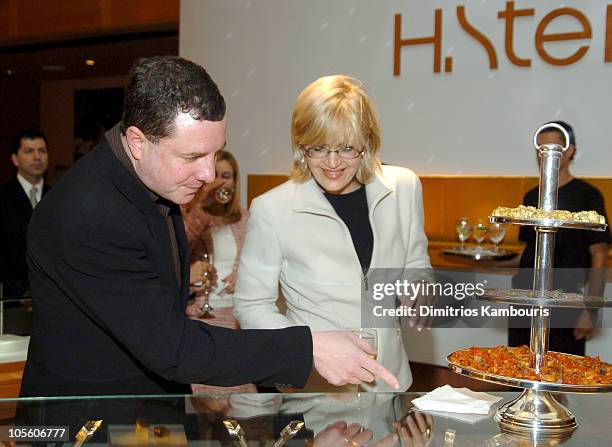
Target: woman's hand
<point>196,271</point>
<point>339,434</point>
<point>202,280</point>
<point>194,306</point>
<point>415,430</point>
<point>230,283</point>
<point>584,326</point>
<point>202,277</point>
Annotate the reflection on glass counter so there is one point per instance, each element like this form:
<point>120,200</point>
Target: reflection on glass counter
<point>15,328</point>
<point>15,308</point>
<point>277,420</point>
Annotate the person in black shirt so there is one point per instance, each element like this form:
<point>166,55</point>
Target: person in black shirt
<point>580,256</point>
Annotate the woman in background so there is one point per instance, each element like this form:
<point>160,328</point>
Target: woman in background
<point>340,214</point>
<point>216,225</point>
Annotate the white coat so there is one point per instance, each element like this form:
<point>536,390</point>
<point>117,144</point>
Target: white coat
<point>295,237</point>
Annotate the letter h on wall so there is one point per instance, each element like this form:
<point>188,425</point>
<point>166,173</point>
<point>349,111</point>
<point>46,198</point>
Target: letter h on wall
<point>436,40</point>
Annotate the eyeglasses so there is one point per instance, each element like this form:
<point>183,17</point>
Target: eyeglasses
<point>347,152</point>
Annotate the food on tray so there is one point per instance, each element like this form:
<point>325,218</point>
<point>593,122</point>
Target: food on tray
<point>514,362</point>
<point>530,212</point>
<point>541,294</point>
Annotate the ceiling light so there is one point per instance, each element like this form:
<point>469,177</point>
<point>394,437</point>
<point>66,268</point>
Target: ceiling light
<point>90,62</point>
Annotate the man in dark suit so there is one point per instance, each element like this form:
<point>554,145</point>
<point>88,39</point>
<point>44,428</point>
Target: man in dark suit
<point>18,198</point>
<point>109,266</point>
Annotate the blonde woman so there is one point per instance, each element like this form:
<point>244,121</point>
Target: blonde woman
<point>340,214</point>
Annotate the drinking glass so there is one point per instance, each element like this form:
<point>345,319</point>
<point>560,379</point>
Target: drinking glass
<point>464,230</point>
<point>371,337</point>
<point>368,335</point>
<point>206,281</point>
<point>496,234</point>
<point>224,194</point>
<point>480,232</point>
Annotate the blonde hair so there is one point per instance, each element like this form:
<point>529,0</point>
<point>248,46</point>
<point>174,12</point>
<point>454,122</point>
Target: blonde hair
<point>335,110</point>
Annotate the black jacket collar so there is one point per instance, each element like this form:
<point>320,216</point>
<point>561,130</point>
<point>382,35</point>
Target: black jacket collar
<point>135,192</point>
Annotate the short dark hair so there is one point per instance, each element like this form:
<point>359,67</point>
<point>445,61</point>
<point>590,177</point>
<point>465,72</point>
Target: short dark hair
<point>28,134</point>
<point>161,87</point>
<point>569,129</point>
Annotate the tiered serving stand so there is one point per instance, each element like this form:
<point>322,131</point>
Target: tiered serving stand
<point>536,413</point>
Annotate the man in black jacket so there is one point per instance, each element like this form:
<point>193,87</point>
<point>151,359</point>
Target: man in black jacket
<point>18,198</point>
<point>109,266</point>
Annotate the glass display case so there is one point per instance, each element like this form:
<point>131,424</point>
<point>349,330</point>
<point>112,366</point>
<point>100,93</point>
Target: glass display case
<point>15,325</point>
<point>342,420</point>
<point>15,308</point>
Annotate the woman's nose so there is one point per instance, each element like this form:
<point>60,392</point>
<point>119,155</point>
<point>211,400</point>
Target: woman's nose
<point>333,159</point>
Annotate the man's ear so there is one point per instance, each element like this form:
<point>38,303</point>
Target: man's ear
<point>14,160</point>
<point>136,141</point>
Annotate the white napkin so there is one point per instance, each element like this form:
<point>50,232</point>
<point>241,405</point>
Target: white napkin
<point>456,400</point>
<point>461,417</point>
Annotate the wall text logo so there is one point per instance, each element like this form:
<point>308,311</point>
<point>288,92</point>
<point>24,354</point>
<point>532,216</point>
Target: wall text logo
<point>509,15</point>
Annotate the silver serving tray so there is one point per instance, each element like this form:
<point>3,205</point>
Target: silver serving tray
<point>522,297</point>
<point>524,383</point>
<point>479,254</point>
<point>549,223</point>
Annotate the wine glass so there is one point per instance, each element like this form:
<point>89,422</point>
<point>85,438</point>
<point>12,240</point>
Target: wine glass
<point>480,232</point>
<point>371,337</point>
<point>496,234</point>
<point>368,335</point>
<point>206,281</point>
<point>224,194</point>
<point>464,230</point>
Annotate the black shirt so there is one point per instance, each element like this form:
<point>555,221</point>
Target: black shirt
<point>571,246</point>
<point>352,208</point>
<point>572,257</point>
<point>571,254</point>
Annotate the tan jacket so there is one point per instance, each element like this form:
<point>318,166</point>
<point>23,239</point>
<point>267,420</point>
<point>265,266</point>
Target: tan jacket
<point>295,237</point>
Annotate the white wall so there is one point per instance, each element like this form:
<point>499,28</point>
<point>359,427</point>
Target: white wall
<point>473,120</point>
